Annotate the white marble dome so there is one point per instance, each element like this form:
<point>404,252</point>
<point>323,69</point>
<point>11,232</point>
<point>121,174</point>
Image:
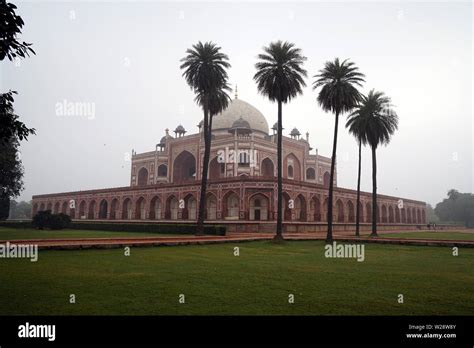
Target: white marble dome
<point>237,109</point>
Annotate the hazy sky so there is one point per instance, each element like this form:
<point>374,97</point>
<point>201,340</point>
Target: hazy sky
<point>122,58</point>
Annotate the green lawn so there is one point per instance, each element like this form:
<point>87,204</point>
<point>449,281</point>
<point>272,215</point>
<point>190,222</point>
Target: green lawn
<point>214,281</point>
<point>29,233</point>
<point>431,235</point>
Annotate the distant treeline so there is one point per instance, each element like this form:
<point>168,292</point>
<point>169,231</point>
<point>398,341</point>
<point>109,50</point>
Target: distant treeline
<point>457,207</point>
<point>20,210</point>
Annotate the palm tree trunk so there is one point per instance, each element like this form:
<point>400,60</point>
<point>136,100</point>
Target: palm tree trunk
<point>358,192</point>
<point>331,182</point>
<point>374,194</point>
<point>205,168</point>
<point>279,231</point>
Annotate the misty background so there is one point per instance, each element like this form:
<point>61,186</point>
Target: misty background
<point>122,59</point>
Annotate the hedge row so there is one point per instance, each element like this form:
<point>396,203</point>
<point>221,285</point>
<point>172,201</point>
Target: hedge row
<point>214,230</point>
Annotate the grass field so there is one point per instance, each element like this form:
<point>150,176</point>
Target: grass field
<point>431,235</point>
<point>29,233</point>
<point>259,281</point>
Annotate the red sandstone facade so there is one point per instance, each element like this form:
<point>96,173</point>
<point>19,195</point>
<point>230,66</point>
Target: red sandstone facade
<point>165,183</point>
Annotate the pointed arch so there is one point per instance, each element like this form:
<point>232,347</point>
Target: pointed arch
<point>292,167</point>
<point>315,208</point>
<point>127,209</point>
<point>155,208</point>
<point>103,207</point>
<point>339,211</point>
<point>391,218</point>
<point>350,211</point>
<point>259,207</point>
<point>142,177</point>
<point>326,179</point>
<point>231,204</point>
<point>140,209</point>
<point>64,208</point>
<point>368,212</point>
<point>82,210</point>
<point>184,167</point>
<point>384,214</point>
<point>91,210</point>
<point>211,206</point>
<point>267,168</point>
<point>172,208</point>
<point>114,209</point>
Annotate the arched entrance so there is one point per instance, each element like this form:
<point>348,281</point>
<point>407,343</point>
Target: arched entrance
<point>64,208</point>
<point>368,212</point>
<point>190,208</point>
<point>267,168</point>
<point>258,207</point>
<point>391,218</point>
<point>315,208</point>
<point>103,209</point>
<point>326,179</point>
<point>350,211</point>
<point>114,209</point>
<point>340,211</point>
<point>155,208</point>
<point>384,213</point>
<point>91,211</point>
<point>184,167</point>
<point>172,208</point>
<point>127,209</point>
<point>300,208</point>
<point>82,210</point>
<point>140,210</point>
<point>231,206</point>
<point>142,177</point>
<point>211,207</point>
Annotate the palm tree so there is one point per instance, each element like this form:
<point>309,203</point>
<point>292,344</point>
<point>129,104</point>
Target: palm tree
<point>339,94</point>
<point>205,72</point>
<point>280,77</point>
<point>376,121</point>
<point>356,125</point>
<point>453,194</point>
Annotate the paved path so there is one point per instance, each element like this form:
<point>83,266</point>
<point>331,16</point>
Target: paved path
<point>106,243</point>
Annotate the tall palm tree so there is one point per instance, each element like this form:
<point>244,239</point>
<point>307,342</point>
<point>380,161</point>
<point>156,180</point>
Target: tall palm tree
<point>377,122</point>
<point>280,77</point>
<point>339,94</point>
<point>356,125</point>
<point>205,72</point>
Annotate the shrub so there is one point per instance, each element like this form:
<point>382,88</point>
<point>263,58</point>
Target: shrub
<point>42,219</point>
<point>59,221</point>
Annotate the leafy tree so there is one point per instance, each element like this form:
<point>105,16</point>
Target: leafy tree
<point>10,126</point>
<point>11,175</point>
<point>10,27</point>
<point>280,77</point>
<point>376,122</point>
<point>338,94</point>
<point>205,72</point>
<point>459,207</point>
<point>453,194</point>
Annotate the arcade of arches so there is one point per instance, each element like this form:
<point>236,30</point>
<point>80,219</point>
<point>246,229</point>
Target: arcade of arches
<point>228,206</point>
